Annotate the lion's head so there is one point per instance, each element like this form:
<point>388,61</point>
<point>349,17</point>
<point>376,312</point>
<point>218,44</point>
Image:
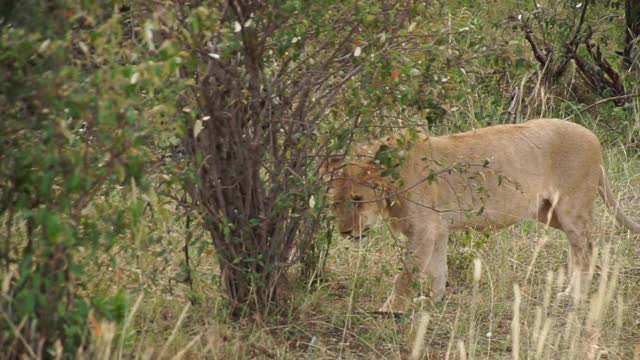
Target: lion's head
<point>355,194</point>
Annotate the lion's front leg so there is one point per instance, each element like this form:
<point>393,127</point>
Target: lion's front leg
<point>437,270</point>
<point>426,255</point>
<point>398,301</point>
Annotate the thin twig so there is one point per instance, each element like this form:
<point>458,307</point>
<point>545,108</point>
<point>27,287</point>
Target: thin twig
<point>573,43</point>
<point>599,102</point>
<point>409,188</point>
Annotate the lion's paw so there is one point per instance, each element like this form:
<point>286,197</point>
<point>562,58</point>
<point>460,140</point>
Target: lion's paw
<point>565,300</point>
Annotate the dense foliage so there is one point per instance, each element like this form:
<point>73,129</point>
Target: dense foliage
<point>78,98</point>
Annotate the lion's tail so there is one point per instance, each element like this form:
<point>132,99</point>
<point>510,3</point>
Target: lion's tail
<point>612,204</point>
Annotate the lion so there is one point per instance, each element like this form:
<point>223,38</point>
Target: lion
<point>549,170</point>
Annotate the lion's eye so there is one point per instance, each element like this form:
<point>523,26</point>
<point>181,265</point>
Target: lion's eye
<point>356,198</point>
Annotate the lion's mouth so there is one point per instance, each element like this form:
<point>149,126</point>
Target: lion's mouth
<point>349,234</point>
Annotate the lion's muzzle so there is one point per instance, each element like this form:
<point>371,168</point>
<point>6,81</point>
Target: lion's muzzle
<point>349,234</point>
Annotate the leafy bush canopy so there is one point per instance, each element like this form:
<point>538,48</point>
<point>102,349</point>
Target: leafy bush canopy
<point>83,101</point>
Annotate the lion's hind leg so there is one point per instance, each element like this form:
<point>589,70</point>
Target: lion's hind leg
<point>576,221</point>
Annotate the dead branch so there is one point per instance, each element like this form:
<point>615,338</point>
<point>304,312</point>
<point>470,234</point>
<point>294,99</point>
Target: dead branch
<point>600,102</point>
<point>537,52</point>
<point>612,80</point>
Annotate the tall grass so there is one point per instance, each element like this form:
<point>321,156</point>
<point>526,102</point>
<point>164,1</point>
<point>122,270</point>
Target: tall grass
<point>509,309</point>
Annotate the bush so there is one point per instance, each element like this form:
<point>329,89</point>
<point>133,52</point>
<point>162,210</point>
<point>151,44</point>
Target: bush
<point>76,96</point>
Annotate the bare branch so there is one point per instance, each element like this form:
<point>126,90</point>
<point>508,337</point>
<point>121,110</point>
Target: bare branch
<point>572,46</point>
<point>600,102</point>
<point>539,55</point>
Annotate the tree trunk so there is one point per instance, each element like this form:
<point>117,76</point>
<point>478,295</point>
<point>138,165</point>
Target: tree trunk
<point>632,30</point>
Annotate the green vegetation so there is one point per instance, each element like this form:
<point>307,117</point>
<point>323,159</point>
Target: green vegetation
<point>160,195</point>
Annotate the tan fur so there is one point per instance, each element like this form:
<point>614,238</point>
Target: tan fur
<point>548,169</point>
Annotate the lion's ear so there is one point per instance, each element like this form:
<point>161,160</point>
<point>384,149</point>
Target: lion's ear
<point>329,164</point>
